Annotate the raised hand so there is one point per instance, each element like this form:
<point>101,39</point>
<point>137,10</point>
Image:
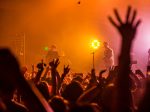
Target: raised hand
<point>101,79</point>
<point>66,69</point>
<point>55,75</point>
<point>41,65</point>
<point>128,28</point>
<point>46,72</point>
<point>101,73</point>
<point>127,31</point>
<point>54,63</point>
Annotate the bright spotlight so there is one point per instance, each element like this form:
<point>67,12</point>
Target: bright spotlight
<point>95,44</point>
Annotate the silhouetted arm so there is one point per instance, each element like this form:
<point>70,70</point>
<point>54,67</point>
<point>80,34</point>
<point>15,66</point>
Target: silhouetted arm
<point>54,74</point>
<point>40,67</point>
<point>45,73</point>
<point>93,80</point>
<point>127,31</point>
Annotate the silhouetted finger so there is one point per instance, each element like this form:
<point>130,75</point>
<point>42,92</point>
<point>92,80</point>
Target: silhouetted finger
<point>128,14</point>
<point>102,71</point>
<point>138,23</point>
<point>112,22</point>
<point>133,17</point>
<point>117,16</point>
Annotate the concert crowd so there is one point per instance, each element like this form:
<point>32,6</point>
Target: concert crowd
<point>46,90</point>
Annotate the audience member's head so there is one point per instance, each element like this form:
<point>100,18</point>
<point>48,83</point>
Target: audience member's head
<point>9,73</point>
<point>78,78</point>
<point>43,88</point>
<point>72,91</point>
<point>59,104</point>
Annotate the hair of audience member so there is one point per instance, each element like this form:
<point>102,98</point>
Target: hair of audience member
<point>9,75</point>
<point>43,88</point>
<point>72,91</point>
<point>9,68</point>
<point>78,78</point>
<point>59,104</point>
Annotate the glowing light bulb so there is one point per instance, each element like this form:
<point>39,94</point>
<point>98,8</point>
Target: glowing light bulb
<point>95,44</point>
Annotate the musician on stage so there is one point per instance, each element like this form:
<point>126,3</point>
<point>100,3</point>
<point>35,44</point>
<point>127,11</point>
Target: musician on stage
<point>108,56</point>
<point>52,54</point>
